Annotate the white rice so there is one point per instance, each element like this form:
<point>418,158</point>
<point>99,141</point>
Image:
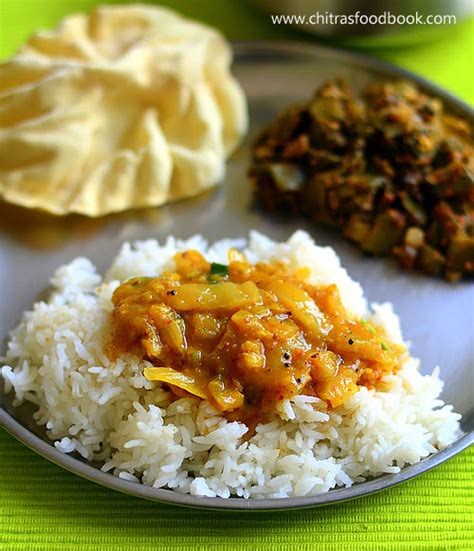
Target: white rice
<point>108,411</point>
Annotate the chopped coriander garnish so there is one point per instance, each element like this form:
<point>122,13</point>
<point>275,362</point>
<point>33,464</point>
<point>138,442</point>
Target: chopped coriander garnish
<point>385,347</point>
<point>369,327</point>
<point>219,269</point>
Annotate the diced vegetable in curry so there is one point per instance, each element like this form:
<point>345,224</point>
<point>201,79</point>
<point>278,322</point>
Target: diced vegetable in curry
<point>247,336</point>
<point>391,169</point>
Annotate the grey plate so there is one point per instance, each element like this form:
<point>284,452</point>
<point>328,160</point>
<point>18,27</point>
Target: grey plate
<point>436,316</point>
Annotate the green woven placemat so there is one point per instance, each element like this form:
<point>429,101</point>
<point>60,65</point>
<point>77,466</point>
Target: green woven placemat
<point>44,507</point>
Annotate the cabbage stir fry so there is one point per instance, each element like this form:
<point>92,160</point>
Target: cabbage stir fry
<point>245,337</point>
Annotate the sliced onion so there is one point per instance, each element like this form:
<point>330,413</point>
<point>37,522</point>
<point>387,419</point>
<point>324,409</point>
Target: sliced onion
<point>173,377</point>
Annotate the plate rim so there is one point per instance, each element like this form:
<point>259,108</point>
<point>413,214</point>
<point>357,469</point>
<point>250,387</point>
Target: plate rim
<point>171,497</point>
<point>88,471</point>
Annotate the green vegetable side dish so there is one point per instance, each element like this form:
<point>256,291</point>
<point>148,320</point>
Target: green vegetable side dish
<point>389,167</point>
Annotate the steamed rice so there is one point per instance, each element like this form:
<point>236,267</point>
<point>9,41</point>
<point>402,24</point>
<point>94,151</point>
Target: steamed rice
<point>107,411</point>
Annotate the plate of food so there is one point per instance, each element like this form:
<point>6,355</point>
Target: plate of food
<point>243,288</point>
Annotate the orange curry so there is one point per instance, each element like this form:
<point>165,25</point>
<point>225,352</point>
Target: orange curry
<point>247,336</point>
